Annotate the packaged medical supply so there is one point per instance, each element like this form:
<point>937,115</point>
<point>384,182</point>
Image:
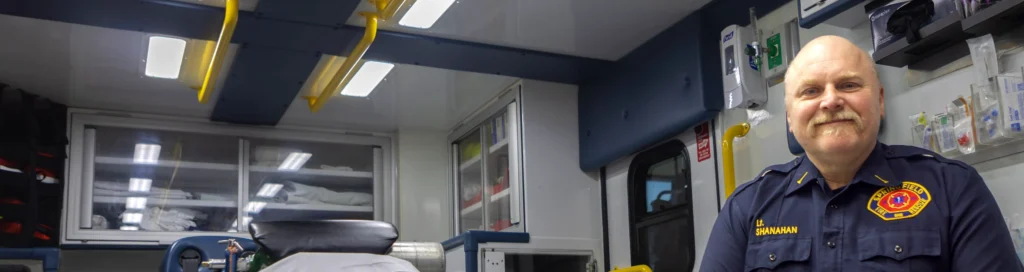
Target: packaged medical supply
<point>942,125</point>
<point>922,132</point>
<point>963,124</point>
<point>1011,94</point>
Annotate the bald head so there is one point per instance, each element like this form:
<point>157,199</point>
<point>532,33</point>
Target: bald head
<point>829,48</point>
<point>834,105</point>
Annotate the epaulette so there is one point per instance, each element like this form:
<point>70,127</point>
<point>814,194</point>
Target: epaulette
<point>916,153</point>
<point>780,169</point>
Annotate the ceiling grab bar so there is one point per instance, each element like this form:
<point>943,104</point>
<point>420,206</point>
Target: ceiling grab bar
<point>347,70</point>
<point>226,31</point>
<point>385,10</point>
<point>635,268</point>
<point>738,130</point>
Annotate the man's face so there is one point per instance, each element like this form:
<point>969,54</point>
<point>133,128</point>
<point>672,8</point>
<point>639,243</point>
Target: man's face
<point>833,98</point>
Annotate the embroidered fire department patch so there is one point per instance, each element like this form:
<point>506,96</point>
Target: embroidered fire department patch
<point>894,203</point>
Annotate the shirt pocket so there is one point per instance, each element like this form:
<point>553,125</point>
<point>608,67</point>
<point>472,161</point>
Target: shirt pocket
<point>899,250</point>
<point>789,254</point>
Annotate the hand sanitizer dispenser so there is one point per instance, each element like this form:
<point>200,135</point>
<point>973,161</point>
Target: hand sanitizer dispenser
<point>741,76</point>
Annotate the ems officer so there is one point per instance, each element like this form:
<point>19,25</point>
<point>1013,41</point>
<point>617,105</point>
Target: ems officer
<point>852,203</point>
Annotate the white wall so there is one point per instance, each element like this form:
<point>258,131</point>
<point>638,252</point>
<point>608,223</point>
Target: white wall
<point>423,199</point>
<point>705,209</point>
<point>563,204</point>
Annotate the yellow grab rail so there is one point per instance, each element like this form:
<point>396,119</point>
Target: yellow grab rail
<point>635,268</point>
<point>389,10</point>
<point>738,130</point>
<point>347,69</point>
<point>228,29</point>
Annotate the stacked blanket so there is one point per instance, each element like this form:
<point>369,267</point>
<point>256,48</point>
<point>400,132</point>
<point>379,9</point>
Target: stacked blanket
<point>307,194</point>
<point>111,188</point>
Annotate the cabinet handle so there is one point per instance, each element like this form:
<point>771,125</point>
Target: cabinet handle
<point>89,154</point>
<point>515,176</point>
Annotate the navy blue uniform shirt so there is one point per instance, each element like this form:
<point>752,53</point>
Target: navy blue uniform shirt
<point>907,209</point>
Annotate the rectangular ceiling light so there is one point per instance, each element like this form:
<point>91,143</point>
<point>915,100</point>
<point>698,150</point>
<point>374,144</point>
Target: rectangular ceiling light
<point>163,60</point>
<point>131,218</point>
<point>294,161</point>
<point>136,203</point>
<point>140,185</point>
<point>255,206</point>
<point>147,153</point>
<point>424,13</point>
<point>269,190</point>
<point>129,227</point>
<point>367,78</point>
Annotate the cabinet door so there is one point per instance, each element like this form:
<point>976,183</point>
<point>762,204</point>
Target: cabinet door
<point>502,178</point>
<point>469,181</point>
<point>149,180</point>
<point>296,180</point>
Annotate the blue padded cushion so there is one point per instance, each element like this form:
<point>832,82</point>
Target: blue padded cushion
<point>794,146</point>
<point>207,247</point>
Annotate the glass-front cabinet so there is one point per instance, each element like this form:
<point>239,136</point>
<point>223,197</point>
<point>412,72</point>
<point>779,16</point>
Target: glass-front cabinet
<point>485,156</point>
<point>144,181</point>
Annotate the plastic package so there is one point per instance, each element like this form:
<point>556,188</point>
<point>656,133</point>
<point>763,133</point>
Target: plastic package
<point>922,132</point>
<point>1011,96</point>
<point>990,126</point>
<point>985,59</point>
<point>942,125</point>
<point>963,124</point>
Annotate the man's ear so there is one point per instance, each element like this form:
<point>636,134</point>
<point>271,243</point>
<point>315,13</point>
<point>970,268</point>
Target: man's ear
<point>881,100</point>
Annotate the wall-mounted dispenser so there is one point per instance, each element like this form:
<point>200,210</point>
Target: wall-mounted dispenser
<point>741,76</point>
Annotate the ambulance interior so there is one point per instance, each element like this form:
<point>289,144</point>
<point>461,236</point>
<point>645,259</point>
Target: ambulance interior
<point>519,135</point>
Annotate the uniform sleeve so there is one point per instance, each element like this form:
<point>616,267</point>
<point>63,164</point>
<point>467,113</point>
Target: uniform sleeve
<point>980,239</point>
<point>727,246</point>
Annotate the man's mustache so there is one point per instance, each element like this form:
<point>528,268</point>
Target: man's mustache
<point>838,116</point>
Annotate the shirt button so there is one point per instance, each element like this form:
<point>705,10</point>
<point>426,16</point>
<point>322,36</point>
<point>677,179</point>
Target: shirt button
<point>771,257</point>
<point>898,249</point>
<point>833,206</point>
<point>830,244</point>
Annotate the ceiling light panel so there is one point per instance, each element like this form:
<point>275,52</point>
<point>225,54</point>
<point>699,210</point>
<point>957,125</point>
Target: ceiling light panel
<point>424,13</point>
<point>164,57</point>
<point>367,78</point>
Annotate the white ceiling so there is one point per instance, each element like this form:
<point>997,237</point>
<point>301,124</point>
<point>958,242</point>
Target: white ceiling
<point>100,68</point>
<point>601,29</point>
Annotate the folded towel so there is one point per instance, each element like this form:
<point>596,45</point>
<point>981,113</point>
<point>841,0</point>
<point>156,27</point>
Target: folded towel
<point>306,194</point>
<point>112,188</point>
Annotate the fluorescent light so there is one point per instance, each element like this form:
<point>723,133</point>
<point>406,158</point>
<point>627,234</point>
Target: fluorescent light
<point>255,206</point>
<point>269,190</point>
<point>129,227</point>
<point>367,78</point>
<point>294,161</point>
<point>163,60</point>
<point>131,218</point>
<point>424,13</point>
<point>147,153</point>
<point>137,203</point>
<point>139,185</point>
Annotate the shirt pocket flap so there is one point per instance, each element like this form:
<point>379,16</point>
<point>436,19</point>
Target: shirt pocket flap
<point>899,244</point>
<point>769,254</point>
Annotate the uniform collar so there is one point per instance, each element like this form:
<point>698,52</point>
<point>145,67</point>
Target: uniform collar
<point>875,171</point>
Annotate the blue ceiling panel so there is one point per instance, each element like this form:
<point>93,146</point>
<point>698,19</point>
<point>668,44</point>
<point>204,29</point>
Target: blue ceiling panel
<point>257,94</point>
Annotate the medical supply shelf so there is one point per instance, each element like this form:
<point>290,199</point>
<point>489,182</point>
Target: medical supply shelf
<point>486,172</point>
<point>944,40</point>
<point>150,181</point>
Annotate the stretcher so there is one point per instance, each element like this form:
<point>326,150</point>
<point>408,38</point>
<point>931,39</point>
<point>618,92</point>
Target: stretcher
<point>321,245</point>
